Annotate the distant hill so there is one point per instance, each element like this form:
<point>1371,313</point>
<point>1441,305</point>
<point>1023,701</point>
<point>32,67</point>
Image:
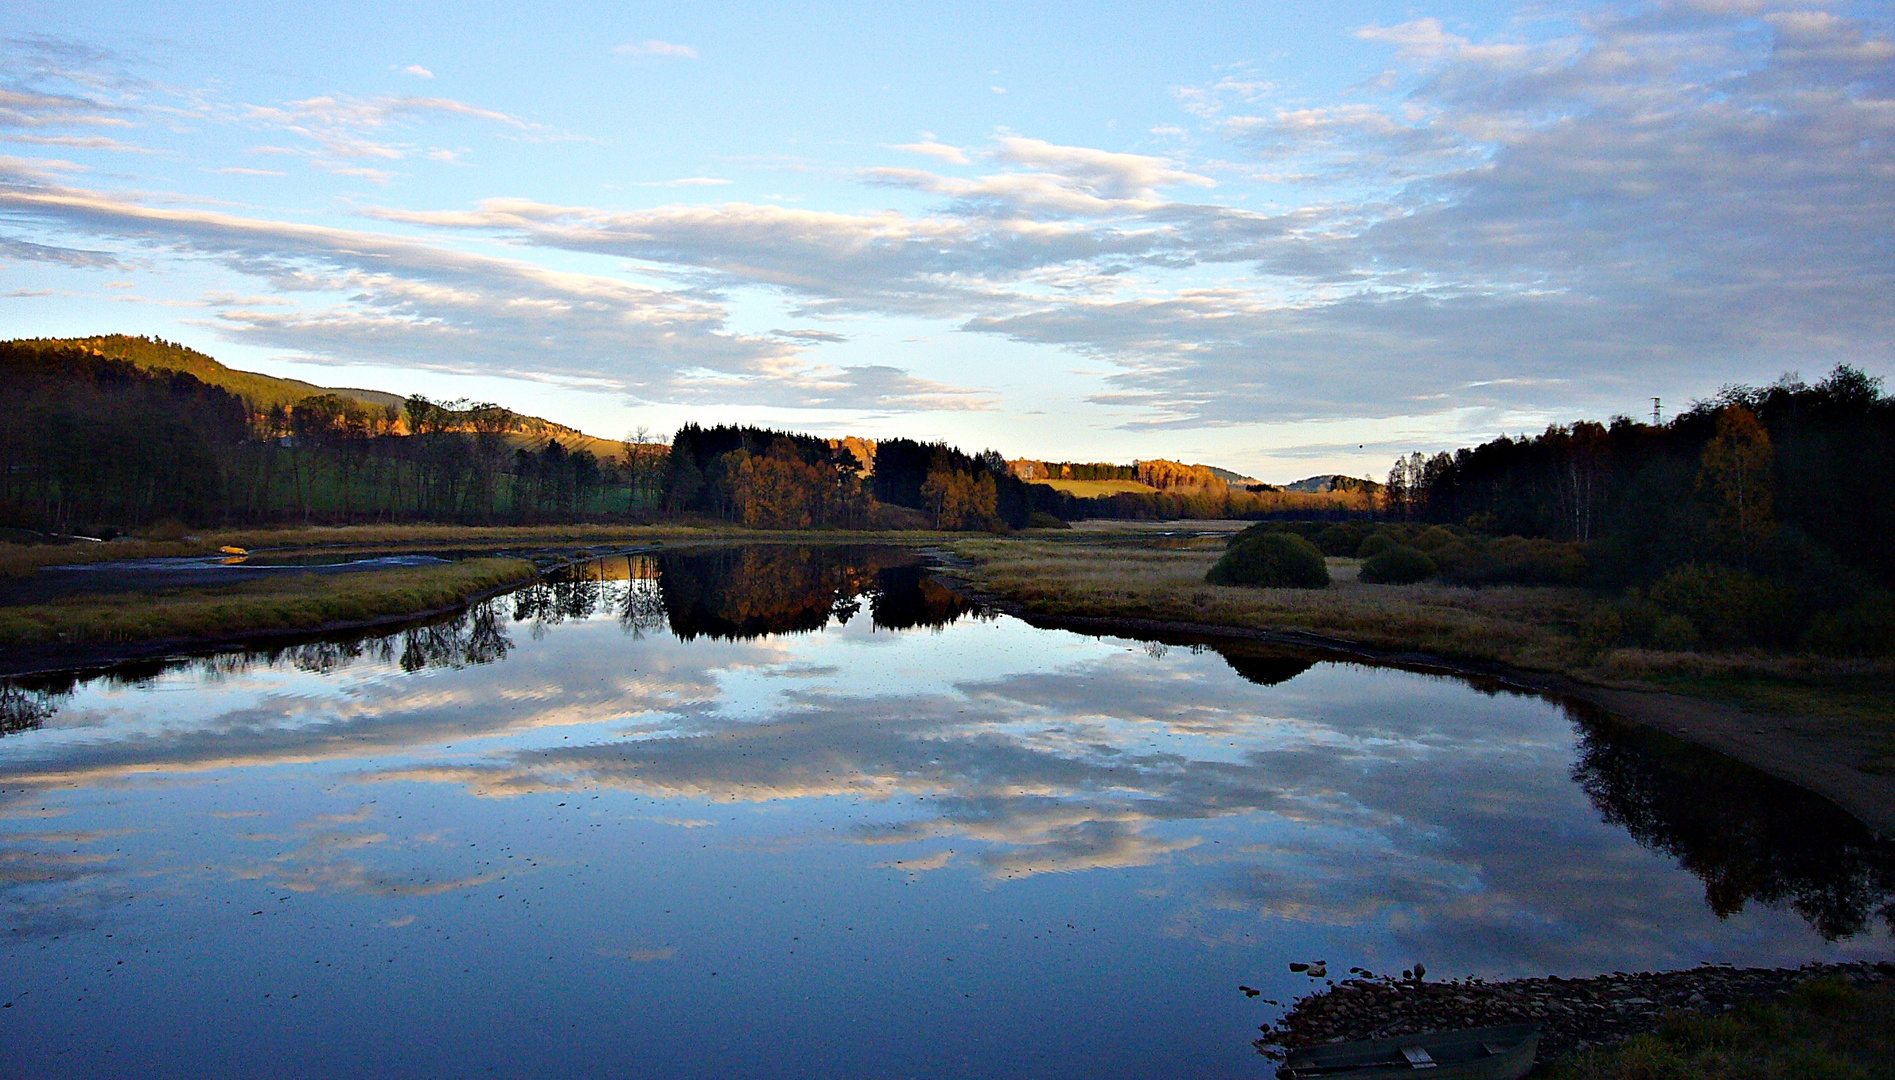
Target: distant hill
<point>1231,478</point>
<point>265,392</point>
<point>1335,482</point>
<point>261,392</point>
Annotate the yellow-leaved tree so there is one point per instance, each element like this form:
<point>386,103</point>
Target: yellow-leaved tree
<point>1735,474</point>
<point>961,501</point>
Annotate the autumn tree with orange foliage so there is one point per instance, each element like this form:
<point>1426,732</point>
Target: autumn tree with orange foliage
<point>961,500</point>
<point>782,490</point>
<point>1734,473</point>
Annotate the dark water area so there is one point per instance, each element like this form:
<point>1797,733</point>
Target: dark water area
<point>803,812</point>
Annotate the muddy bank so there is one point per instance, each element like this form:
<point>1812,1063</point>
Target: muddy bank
<point>1574,1014</point>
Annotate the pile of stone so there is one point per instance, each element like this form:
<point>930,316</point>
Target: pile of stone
<point>1574,1014</point>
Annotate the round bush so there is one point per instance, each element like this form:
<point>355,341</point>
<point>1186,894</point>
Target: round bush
<point>1041,520</point>
<point>1397,566</point>
<point>1339,539</point>
<point>1272,560</point>
<point>1374,544</point>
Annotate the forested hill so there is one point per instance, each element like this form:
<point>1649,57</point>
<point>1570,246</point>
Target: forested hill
<point>262,393</point>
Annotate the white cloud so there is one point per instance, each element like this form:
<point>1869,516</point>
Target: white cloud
<point>79,142</point>
<point>954,155</point>
<point>371,296</point>
<point>416,70</point>
<point>654,47</point>
<point>350,129</point>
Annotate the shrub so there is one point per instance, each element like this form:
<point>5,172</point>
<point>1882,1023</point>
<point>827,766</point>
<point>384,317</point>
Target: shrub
<point>1729,607</point>
<point>1340,539</point>
<point>1511,560</point>
<point>1434,537</point>
<point>1673,633</point>
<point>1399,565</point>
<point>1374,544</point>
<point>1864,629</point>
<point>1272,560</point>
<point>1041,520</point>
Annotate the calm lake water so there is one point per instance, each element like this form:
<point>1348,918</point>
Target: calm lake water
<point>795,812</point>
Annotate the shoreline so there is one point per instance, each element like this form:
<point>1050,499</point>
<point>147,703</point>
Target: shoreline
<point>1772,744</point>
<point>84,658</point>
<point>1761,741</point>
<point>1725,729</point>
<point>1575,1015</point>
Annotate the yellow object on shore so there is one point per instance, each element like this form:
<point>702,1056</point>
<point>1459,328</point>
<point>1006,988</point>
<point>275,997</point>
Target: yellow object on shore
<point>228,550</point>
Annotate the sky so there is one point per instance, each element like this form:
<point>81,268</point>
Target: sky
<point>1286,239</point>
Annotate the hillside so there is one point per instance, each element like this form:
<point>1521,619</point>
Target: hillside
<point>265,392</point>
<point>1333,483</point>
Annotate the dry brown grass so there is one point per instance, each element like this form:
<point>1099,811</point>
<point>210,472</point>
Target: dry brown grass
<point>302,602</point>
<point>1119,570</point>
<point>1099,574</point>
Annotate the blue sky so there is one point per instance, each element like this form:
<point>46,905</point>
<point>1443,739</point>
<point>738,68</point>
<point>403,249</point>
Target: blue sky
<point>1282,239</point>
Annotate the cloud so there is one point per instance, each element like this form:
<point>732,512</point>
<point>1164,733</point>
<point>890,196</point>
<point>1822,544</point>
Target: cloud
<point>1627,202</point>
<point>24,250</point>
<point>635,954</point>
<point>416,70</point>
<point>348,129</point>
<point>654,47</point>
<point>951,154</point>
<point>31,109</point>
<point>80,142</point>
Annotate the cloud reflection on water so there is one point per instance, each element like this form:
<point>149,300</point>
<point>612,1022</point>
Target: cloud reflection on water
<point>1326,794</point>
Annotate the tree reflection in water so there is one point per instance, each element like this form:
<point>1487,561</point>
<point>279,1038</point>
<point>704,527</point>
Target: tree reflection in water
<point>1748,836</point>
<point>23,709</point>
<point>734,593</point>
<point>475,636</point>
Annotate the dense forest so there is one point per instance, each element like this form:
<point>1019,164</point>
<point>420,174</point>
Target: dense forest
<point>100,444</point>
<point>1761,516</point>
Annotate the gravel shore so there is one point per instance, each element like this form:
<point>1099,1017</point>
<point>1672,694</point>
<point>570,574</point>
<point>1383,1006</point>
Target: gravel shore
<point>1575,1014</point>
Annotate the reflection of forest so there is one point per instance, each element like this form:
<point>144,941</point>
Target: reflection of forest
<point>475,636</point>
<point>1747,835</point>
<point>749,592</point>
<point>727,593</point>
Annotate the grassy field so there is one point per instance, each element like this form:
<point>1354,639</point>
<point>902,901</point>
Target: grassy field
<point>1105,573</point>
<point>302,602</point>
<point>1827,1030</point>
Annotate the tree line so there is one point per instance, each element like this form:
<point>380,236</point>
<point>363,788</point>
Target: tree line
<point>1760,516</point>
<point>93,442</point>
